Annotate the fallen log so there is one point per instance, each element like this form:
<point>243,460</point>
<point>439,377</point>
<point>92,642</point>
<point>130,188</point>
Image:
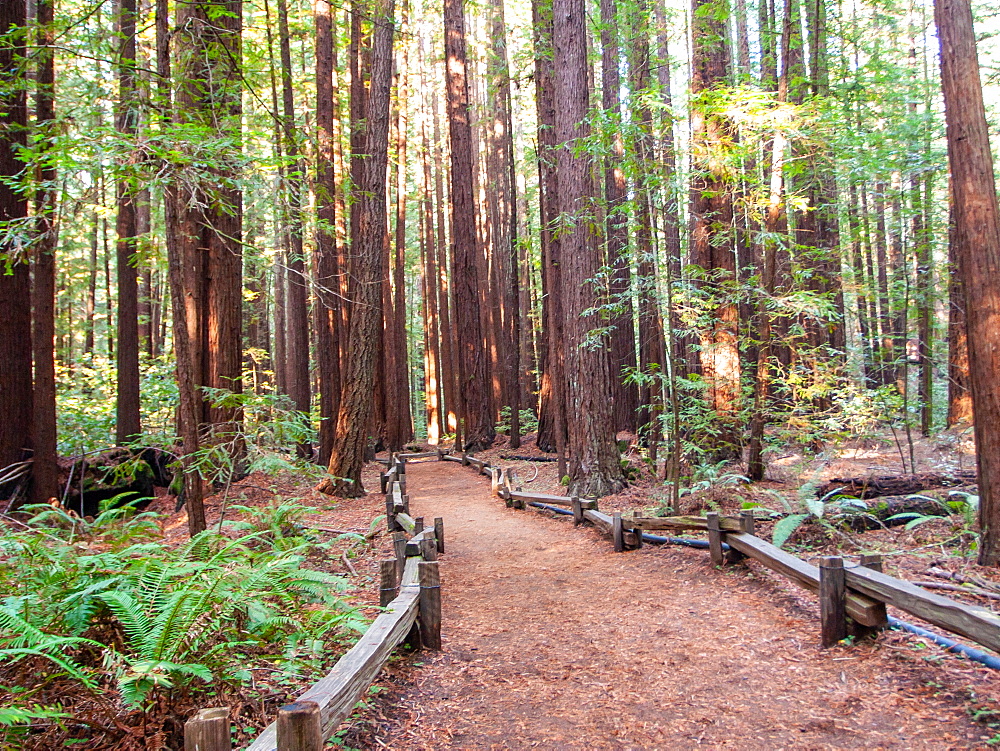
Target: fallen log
<point>882,485</point>
<point>881,512</point>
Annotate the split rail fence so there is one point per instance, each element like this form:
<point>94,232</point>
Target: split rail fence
<point>410,595</point>
<point>852,596</point>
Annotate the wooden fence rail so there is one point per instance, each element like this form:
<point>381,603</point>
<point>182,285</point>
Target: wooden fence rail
<point>411,597</point>
<point>858,592</point>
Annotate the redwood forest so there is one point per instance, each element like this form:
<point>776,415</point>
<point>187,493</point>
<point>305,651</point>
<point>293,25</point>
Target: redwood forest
<point>271,271</point>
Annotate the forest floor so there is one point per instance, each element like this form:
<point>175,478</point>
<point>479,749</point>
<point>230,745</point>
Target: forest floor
<point>551,640</point>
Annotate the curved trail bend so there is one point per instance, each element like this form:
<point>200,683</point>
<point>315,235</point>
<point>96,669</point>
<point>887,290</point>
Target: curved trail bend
<point>553,641</point>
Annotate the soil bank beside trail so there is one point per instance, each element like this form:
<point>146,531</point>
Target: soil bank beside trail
<point>551,640</point>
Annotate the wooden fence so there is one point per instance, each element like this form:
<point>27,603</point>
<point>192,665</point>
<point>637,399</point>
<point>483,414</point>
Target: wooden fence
<point>410,594</point>
<point>852,596</point>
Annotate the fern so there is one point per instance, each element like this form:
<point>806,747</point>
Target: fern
<point>785,528</point>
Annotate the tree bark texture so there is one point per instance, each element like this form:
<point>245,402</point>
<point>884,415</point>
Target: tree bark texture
<point>45,484</point>
<point>328,300</point>
<point>356,405</point>
<point>593,452</point>
<point>127,421</point>
<point>208,50</point>
<point>977,234</point>
<point>474,385</point>
<point>712,222</point>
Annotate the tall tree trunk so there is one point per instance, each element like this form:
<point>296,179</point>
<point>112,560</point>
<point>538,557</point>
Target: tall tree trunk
<point>472,356</point>
<point>593,453</point>
<point>296,307</point>
<point>712,220</point>
<point>433,376</point>
<point>210,229</point>
<point>328,253</point>
<point>977,235</point>
<point>90,305</point>
<point>45,481</point>
<point>399,414</point>
<point>652,343</point>
<point>449,346</point>
<point>626,394</point>
<point>127,422</point>
<point>347,458</point>
<point>188,410</point>
<point>552,430</point>
<point>503,218</point>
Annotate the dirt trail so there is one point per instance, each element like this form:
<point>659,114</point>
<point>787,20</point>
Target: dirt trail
<point>551,640</point>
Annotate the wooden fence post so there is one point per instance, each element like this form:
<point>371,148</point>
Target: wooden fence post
<point>390,514</point>
<point>874,562</point>
<point>832,600</point>
<point>440,454</point>
<point>714,539</point>
<point>439,533</point>
<point>577,510</point>
<point>300,727</point>
<point>389,587</point>
<point>208,730</point>
<point>617,532</point>
<point>406,504</point>
<point>418,525</point>
<point>465,459</point>
<point>747,525</point>
<point>383,480</point>
<point>399,547</point>
<point>430,605</point>
<point>428,549</point>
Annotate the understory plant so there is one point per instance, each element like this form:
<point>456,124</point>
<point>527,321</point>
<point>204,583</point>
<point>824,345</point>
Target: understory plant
<point>111,605</point>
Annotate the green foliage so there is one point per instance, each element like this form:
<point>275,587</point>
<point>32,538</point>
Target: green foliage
<point>526,417</point>
<point>157,619</point>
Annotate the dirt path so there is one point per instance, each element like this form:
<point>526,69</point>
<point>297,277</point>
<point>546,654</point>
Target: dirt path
<point>553,641</point>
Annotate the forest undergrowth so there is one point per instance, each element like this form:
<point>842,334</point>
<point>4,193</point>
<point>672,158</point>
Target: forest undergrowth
<point>114,630</point>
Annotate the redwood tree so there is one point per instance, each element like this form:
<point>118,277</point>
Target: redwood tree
<point>45,483</point>
<point>127,425</point>
<point>977,240</point>
<point>474,388</point>
<point>594,468</point>
<point>347,458</point>
<point>15,278</point>
<point>712,219</point>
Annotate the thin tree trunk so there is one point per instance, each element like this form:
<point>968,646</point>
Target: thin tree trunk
<point>503,219</point>
<point>90,305</point>
<point>959,398</point>
<point>296,308</point>
<point>327,251</point>
<point>552,428</point>
<point>127,422</point>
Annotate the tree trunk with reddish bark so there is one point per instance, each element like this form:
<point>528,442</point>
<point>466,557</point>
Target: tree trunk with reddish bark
<point>474,385</point>
<point>977,236</point>
<point>594,467</point>
<point>353,420</point>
